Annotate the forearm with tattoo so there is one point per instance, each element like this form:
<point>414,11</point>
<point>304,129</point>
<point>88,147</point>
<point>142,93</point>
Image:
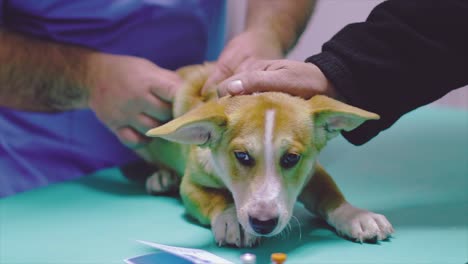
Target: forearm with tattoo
<point>38,75</point>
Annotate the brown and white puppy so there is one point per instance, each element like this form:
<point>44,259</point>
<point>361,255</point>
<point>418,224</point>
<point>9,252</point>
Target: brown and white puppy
<point>246,160</point>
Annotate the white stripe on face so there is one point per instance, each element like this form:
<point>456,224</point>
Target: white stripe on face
<point>269,186</point>
<point>268,141</point>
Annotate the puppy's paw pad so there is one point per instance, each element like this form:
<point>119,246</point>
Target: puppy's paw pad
<point>228,231</point>
<point>360,225</point>
<point>162,181</point>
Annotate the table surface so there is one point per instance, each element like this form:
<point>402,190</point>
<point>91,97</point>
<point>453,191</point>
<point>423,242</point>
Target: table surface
<point>415,173</point>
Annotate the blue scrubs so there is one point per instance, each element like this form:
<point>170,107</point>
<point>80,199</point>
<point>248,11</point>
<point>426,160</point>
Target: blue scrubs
<point>37,149</point>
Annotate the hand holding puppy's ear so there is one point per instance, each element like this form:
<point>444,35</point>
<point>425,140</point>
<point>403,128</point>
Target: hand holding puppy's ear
<point>202,126</point>
<point>331,117</point>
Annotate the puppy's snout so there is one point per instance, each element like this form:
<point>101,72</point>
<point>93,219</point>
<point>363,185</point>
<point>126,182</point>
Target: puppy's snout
<point>263,227</point>
<point>263,216</point>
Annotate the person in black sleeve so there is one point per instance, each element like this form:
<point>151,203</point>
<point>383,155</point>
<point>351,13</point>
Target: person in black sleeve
<point>405,55</point>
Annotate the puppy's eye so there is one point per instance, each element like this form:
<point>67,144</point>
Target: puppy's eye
<point>289,160</point>
<point>244,158</point>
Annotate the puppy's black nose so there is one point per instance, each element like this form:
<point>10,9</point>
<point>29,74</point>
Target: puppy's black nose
<point>263,227</point>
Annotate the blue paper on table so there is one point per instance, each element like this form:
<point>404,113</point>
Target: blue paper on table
<point>176,255</point>
<point>158,258</point>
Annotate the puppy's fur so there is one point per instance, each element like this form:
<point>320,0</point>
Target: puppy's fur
<point>247,159</point>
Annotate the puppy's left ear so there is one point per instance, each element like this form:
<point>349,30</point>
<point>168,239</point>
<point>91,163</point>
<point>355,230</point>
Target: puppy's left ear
<point>202,126</point>
<point>331,117</point>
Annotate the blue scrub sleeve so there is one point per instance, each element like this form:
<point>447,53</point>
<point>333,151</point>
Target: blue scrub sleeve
<point>37,149</point>
<point>1,11</point>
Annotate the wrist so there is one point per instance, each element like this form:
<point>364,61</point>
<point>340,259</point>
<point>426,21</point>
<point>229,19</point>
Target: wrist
<point>336,72</point>
<point>95,80</point>
<point>329,87</point>
<point>323,84</point>
<point>270,42</point>
<point>284,20</point>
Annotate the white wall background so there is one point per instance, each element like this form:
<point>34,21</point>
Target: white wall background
<point>329,17</point>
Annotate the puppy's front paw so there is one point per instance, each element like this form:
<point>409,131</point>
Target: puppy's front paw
<point>162,181</point>
<point>358,224</point>
<point>228,231</point>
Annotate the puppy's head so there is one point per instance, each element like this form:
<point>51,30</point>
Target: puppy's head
<point>263,148</point>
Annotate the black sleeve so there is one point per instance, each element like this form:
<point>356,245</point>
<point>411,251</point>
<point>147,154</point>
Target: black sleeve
<point>407,53</point>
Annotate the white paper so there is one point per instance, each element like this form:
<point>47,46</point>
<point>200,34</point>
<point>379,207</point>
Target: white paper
<point>197,256</point>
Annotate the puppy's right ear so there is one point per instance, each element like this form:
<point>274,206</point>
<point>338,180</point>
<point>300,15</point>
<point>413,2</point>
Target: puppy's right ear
<point>202,126</point>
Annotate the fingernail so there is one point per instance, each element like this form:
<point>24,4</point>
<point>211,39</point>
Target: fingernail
<point>235,87</point>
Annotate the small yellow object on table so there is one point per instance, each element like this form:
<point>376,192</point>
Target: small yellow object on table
<point>278,258</point>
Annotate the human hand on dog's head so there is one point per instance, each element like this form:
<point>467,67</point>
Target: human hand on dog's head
<point>248,46</point>
<point>293,77</point>
<point>131,95</point>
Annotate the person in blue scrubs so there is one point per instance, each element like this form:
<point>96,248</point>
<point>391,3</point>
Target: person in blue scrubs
<point>81,81</point>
